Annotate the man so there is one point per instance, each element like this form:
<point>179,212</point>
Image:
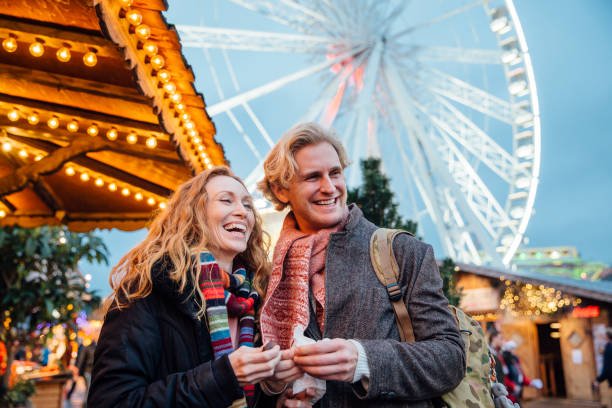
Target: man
<point>495,345</point>
<point>606,370</point>
<point>322,279</point>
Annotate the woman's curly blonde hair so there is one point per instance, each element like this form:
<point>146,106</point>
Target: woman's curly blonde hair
<point>176,234</point>
<point>280,166</point>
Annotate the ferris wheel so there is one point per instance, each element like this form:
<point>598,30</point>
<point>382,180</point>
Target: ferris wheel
<point>446,97</point>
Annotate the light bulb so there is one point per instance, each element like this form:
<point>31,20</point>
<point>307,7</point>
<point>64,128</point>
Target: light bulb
<point>6,146</point>
<point>37,49</point>
<point>151,201</point>
<point>92,130</point>
<point>63,54</point>
<point>38,157</point>
<point>23,153</point>
<point>72,126</point>
<point>112,187</point>
<point>132,138</point>
<point>125,191</point>
<point>185,117</point>
<point>162,205</point>
<point>197,140</point>
<point>143,32</point>
<point>193,133</point>
<point>99,182</point>
<point>90,59</point>
<point>151,142</point>
<point>176,98</point>
<point>134,17</point>
<point>170,87</point>
<point>2,213</point>
<point>138,196</point>
<point>112,134</point>
<point>53,122</point>
<point>10,44</point>
<point>189,125</point>
<point>180,107</point>
<point>84,176</point>
<point>33,118</point>
<point>13,115</point>
<point>157,62</point>
<point>150,49</point>
<point>163,75</point>
<point>70,171</point>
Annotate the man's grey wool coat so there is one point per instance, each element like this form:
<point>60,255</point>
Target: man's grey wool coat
<point>357,307</point>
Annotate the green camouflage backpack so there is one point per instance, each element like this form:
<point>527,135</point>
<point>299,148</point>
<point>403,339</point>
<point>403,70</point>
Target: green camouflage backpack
<point>474,391</point>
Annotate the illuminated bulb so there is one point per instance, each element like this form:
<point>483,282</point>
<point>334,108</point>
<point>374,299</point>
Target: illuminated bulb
<point>63,54</point>
<point>150,49</point>
<point>151,201</point>
<point>197,140</point>
<point>99,182</point>
<point>6,146</point>
<point>151,142</point>
<point>9,44</point>
<point>23,153</point>
<point>134,17</point>
<point>13,115</point>
<point>163,75</point>
<point>200,148</point>
<point>72,126</point>
<point>138,196</point>
<point>180,107</point>
<point>2,213</point>
<point>92,130</point>
<point>55,313</point>
<point>207,160</point>
<point>37,49</point>
<point>189,125</point>
<point>132,138</point>
<point>125,191</point>
<point>112,134</point>
<point>53,122</point>
<point>143,32</point>
<point>170,87</point>
<point>112,187</point>
<point>38,157</point>
<point>90,59</point>
<point>176,98</point>
<point>157,62</point>
<point>185,116</point>
<point>33,118</point>
<point>70,171</point>
<point>193,133</point>
<point>84,176</point>
<point>162,205</point>
<point>209,166</point>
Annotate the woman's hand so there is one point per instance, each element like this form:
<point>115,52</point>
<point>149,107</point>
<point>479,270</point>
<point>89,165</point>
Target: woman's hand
<point>288,400</point>
<point>287,371</point>
<point>252,365</point>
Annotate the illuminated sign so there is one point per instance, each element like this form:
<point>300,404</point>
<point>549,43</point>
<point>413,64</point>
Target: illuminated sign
<point>585,312</point>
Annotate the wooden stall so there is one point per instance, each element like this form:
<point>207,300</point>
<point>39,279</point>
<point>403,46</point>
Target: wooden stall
<point>99,117</point>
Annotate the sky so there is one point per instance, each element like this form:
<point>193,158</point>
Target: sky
<point>569,44</point>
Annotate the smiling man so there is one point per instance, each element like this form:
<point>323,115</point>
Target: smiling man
<point>323,284</point>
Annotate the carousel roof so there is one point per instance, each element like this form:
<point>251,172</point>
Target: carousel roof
<point>99,117</point>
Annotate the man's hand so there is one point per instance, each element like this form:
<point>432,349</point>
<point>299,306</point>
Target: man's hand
<point>252,365</point>
<point>286,370</point>
<point>302,400</point>
<point>328,360</point>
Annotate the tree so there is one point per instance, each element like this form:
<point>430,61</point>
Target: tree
<point>375,199</point>
<point>40,283</point>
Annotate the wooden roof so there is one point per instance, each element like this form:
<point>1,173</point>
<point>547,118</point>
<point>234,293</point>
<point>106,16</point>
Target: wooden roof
<point>98,130</point>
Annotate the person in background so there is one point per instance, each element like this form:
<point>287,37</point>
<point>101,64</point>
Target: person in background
<point>180,324</point>
<point>495,344</point>
<point>606,369</point>
<point>515,379</point>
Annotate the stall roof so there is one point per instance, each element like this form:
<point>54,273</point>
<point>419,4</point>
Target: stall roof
<point>99,117</point>
<point>596,290</point>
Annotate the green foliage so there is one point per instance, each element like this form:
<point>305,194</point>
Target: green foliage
<point>19,393</point>
<point>39,279</point>
<point>449,281</point>
<point>375,198</point>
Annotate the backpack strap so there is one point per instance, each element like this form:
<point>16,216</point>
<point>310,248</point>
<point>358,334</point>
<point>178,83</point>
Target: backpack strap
<point>386,269</point>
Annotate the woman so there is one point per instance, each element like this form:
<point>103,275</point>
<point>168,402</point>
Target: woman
<point>179,325</point>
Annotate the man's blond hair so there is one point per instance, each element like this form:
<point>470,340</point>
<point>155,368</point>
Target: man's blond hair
<point>280,166</point>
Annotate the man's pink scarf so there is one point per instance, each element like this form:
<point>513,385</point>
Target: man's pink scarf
<point>298,263</point>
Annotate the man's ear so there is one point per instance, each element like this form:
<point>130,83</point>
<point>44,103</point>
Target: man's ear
<point>282,194</point>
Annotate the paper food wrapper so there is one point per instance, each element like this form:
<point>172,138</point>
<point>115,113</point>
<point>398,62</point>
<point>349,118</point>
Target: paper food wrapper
<point>306,381</point>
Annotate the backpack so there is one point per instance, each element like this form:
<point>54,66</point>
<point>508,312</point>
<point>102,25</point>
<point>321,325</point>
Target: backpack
<point>475,390</point>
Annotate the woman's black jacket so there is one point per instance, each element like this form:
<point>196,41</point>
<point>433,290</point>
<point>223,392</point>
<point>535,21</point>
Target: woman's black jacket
<point>156,353</point>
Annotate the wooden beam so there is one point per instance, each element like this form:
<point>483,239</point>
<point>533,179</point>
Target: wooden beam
<point>47,195</point>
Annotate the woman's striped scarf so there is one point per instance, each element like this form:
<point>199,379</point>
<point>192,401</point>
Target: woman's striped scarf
<point>229,295</point>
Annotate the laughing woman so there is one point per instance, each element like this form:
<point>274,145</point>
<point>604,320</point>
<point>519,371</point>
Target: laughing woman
<point>179,325</point>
